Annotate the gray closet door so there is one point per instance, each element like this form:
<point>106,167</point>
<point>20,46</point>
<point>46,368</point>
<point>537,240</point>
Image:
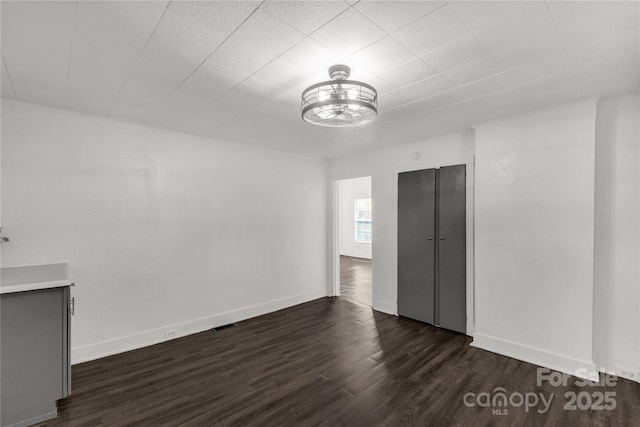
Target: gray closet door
<point>416,244</point>
<point>451,251</point>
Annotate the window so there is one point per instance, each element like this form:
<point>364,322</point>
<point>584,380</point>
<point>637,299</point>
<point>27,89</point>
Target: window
<point>363,220</point>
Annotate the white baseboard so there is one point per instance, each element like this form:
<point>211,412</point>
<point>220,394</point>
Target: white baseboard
<point>580,368</point>
<point>155,336</point>
<point>35,420</point>
<point>628,373</point>
<point>385,307</point>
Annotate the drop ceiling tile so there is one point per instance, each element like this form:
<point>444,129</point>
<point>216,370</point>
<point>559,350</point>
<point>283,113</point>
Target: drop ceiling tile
<point>348,33</point>
<point>287,100</point>
<point>466,107</point>
<point>279,73</point>
<point>84,96</point>
<point>258,89</point>
<point>257,42</point>
<point>504,102</point>
<point>378,57</point>
<point>427,103</point>
<point>432,31</point>
<point>38,25</point>
<point>40,48</point>
<point>618,83</point>
<point>130,109</point>
<point>529,51</point>
<point>198,27</point>
<point>563,96</point>
<point>174,86</point>
<point>454,54</point>
<point>540,68</point>
<point>162,56</point>
<point>490,84</point>
<point>148,86</point>
<point>613,21</point>
<point>473,71</point>
<point>31,85</point>
<point>380,85</point>
<point>108,39</point>
<point>394,15</point>
<point>217,114</point>
<point>422,89</point>
<point>203,87</point>
<point>266,113</point>
<point>609,66</point>
<point>116,29</point>
<point>7,89</point>
<point>308,58</point>
<point>481,15</point>
<point>568,12</point>
<point>181,105</point>
<point>478,15</point>
<point>627,42</point>
<point>407,73</point>
<point>551,90</point>
<point>218,75</point>
<point>243,97</point>
<point>304,16</point>
<point>95,78</point>
<point>533,20</point>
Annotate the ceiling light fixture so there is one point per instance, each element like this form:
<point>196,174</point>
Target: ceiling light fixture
<point>339,102</point>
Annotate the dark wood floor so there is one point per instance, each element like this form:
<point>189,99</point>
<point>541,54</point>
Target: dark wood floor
<point>329,362</point>
<point>355,279</point>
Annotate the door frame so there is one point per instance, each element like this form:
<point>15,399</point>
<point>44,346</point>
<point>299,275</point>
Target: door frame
<point>470,246</point>
<point>334,290</point>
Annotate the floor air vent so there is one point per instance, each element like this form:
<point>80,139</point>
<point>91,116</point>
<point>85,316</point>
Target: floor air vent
<point>220,328</point>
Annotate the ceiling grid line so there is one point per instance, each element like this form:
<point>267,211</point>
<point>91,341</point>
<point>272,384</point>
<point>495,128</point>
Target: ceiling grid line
<point>437,66</point>
<point>490,54</point>
<point>307,36</point>
<point>138,58</point>
<point>437,72</point>
<point>73,35</point>
<point>204,61</point>
<point>564,49</point>
<point>6,68</point>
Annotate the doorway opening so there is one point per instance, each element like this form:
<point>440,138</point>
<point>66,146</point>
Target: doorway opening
<point>355,240</point>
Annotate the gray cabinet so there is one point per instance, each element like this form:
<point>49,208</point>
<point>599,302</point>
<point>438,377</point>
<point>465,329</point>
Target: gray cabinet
<point>35,353</point>
<point>432,246</point>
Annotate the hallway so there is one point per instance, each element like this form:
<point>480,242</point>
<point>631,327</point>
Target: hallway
<point>355,279</point>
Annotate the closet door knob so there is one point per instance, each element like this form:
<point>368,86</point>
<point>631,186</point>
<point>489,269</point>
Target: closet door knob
<point>441,238</point>
<point>429,238</point>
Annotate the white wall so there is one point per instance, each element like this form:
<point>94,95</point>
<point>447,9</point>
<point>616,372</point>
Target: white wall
<point>383,166</point>
<point>617,239</point>
<point>349,191</point>
<point>161,230</point>
<point>534,225</point>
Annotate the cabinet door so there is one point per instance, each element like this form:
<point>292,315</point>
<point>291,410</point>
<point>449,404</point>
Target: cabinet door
<point>451,253</point>
<point>416,244</point>
<point>32,354</point>
<point>66,342</point>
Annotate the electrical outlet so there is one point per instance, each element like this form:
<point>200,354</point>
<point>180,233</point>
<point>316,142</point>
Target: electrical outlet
<point>170,334</point>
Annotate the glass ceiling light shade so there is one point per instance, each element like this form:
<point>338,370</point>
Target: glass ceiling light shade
<point>339,102</point>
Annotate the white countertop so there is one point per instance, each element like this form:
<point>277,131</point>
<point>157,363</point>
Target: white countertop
<point>33,277</point>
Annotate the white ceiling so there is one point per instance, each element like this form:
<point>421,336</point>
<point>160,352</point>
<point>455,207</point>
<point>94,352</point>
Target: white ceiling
<point>236,70</point>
